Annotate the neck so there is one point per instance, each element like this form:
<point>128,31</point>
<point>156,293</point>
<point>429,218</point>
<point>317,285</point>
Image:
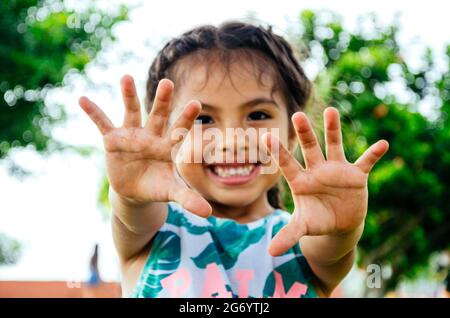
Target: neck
<point>243,214</point>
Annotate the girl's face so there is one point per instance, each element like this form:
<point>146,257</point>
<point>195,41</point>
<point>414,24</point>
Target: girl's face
<point>229,174</point>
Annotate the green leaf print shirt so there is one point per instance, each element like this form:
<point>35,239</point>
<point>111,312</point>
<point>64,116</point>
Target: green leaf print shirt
<point>216,257</point>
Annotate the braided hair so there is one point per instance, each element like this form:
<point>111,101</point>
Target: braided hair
<point>226,43</point>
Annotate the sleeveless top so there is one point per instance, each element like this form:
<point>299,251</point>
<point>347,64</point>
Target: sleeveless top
<point>196,257</point>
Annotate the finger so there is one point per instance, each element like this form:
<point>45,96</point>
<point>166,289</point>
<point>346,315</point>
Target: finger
<point>190,200</point>
<point>131,101</point>
<point>161,107</point>
<point>370,157</point>
<point>308,141</point>
<point>187,118</point>
<point>333,135</point>
<point>94,112</point>
<point>287,237</point>
<point>289,166</point>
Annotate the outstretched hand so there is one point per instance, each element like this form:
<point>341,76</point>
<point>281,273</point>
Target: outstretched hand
<point>138,158</point>
<point>330,195</point>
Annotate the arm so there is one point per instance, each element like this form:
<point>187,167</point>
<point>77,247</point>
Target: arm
<point>335,259</point>
<point>140,167</point>
<point>134,225</point>
<point>330,198</point>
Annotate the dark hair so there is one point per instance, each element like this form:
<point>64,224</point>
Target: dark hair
<point>231,40</point>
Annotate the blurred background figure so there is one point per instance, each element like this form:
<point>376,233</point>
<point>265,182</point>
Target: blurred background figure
<point>95,287</point>
<point>444,271</point>
<point>94,274</point>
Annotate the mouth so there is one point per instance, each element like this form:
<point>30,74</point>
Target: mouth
<point>233,173</point>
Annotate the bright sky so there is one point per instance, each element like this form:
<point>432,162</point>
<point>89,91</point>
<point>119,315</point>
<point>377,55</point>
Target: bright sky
<point>54,213</point>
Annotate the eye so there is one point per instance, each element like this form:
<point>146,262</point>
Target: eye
<point>204,119</point>
<point>258,115</point>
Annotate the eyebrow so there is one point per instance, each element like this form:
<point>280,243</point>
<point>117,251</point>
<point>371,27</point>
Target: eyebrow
<point>247,104</point>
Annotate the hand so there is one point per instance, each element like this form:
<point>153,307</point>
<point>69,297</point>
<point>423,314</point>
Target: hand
<point>330,195</point>
<point>138,158</point>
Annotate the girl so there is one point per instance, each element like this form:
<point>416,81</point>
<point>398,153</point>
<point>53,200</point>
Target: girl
<point>216,228</point>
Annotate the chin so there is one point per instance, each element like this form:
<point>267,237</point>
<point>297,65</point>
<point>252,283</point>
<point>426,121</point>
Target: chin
<point>233,202</point>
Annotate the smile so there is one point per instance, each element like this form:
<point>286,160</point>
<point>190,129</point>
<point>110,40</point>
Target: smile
<point>234,173</point>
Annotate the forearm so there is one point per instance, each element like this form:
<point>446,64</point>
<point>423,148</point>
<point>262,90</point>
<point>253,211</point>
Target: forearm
<point>134,225</point>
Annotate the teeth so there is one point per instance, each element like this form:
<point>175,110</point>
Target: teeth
<point>230,172</point>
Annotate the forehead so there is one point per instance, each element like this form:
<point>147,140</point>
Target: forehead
<point>214,80</point>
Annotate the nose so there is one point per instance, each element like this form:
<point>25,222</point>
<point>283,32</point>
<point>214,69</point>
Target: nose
<point>239,144</point>
<point>232,140</point>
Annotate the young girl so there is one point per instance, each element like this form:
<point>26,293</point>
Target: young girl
<point>184,228</point>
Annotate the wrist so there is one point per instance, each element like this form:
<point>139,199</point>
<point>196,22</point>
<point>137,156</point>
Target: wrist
<point>347,240</point>
<point>349,233</point>
<point>334,246</point>
<point>137,217</point>
<point>116,198</point>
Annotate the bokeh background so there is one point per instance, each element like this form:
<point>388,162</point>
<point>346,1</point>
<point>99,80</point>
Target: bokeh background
<point>383,64</point>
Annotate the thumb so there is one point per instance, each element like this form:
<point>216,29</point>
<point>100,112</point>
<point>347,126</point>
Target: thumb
<point>190,200</point>
<point>287,237</point>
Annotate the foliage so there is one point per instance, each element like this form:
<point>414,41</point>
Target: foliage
<point>10,250</point>
<point>408,212</point>
<point>42,42</point>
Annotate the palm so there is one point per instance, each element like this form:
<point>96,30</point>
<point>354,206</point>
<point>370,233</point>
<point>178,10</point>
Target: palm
<point>322,202</point>
<point>134,171</point>
<point>139,159</point>
<point>330,195</point>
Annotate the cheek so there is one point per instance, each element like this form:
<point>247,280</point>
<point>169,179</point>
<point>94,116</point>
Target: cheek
<point>272,177</point>
<point>279,127</point>
<point>191,149</point>
<point>189,161</point>
<point>285,133</point>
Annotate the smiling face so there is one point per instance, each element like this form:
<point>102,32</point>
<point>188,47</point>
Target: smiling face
<point>232,102</point>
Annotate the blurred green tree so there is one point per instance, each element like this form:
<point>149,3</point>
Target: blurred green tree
<point>408,216</point>
<point>10,250</point>
<point>42,42</point>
